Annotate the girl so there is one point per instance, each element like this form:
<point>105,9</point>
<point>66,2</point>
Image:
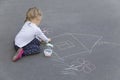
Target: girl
<point>27,41</point>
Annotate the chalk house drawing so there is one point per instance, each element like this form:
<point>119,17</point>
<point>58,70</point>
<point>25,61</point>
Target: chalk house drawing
<point>73,44</point>
<point>67,44</point>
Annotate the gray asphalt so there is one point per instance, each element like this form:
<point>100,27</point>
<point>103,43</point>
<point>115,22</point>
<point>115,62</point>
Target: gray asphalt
<point>85,33</point>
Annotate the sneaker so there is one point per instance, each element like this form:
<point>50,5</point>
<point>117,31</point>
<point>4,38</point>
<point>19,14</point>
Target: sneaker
<point>18,55</point>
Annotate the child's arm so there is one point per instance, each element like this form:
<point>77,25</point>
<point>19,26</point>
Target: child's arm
<point>42,36</point>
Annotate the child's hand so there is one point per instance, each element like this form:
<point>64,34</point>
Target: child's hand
<point>49,40</point>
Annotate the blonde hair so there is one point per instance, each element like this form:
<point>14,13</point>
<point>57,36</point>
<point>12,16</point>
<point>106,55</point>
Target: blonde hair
<point>32,13</point>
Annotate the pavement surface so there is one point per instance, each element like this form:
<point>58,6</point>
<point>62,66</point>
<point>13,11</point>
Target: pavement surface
<point>85,34</point>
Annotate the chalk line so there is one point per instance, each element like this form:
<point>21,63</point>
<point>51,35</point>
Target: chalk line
<point>58,56</point>
<point>95,44</point>
<point>99,38</point>
<point>68,72</point>
<point>79,41</point>
<point>86,67</point>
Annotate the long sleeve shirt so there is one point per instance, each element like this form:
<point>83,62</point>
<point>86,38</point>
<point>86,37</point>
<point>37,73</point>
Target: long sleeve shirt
<point>28,32</point>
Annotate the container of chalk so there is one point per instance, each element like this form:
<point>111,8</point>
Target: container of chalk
<point>48,50</point>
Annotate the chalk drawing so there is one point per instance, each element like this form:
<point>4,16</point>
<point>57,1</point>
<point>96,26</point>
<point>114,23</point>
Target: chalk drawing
<point>61,45</point>
<point>95,44</point>
<point>64,45</point>
<point>58,57</point>
<point>68,72</point>
<point>80,64</point>
<point>67,45</point>
<point>79,41</point>
<point>87,50</point>
<point>99,39</point>
<point>98,42</point>
<point>62,59</point>
<point>78,61</point>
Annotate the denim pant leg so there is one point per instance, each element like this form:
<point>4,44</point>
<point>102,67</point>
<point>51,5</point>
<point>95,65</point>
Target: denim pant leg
<point>32,48</point>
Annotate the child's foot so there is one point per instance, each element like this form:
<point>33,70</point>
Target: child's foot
<point>18,55</point>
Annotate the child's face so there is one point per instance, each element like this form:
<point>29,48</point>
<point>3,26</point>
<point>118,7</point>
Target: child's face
<point>38,20</point>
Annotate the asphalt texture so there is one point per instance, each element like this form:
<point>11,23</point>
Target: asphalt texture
<point>85,35</point>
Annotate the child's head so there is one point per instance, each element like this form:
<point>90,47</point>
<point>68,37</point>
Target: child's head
<point>34,15</point>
